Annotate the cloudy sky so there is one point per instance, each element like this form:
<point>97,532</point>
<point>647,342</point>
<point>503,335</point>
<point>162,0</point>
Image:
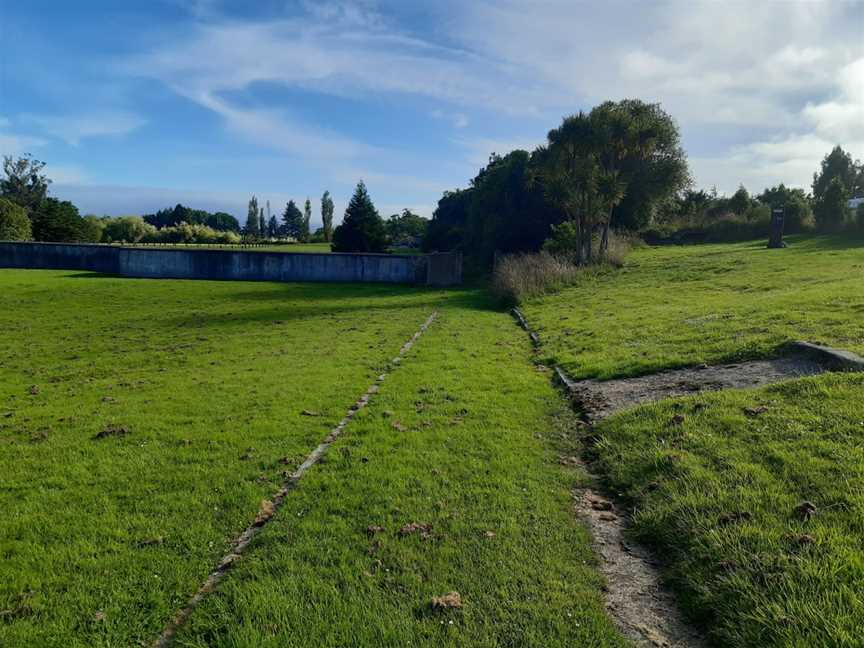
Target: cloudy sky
<point>137,105</point>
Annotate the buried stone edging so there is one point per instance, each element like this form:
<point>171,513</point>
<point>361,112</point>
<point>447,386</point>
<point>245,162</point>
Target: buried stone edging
<point>643,609</point>
<point>837,359</point>
<point>270,507</point>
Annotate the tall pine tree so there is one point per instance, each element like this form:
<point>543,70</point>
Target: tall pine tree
<point>252,229</point>
<point>327,216</point>
<point>362,229</point>
<point>262,224</point>
<point>292,219</point>
<point>307,219</point>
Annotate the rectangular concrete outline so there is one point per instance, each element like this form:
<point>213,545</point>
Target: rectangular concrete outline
<point>241,543</point>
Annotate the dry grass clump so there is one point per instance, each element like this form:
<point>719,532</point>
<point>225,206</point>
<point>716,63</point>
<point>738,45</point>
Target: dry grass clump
<point>618,248</point>
<point>520,276</point>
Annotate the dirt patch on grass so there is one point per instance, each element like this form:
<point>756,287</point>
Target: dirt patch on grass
<point>642,608</point>
<point>645,612</point>
<point>598,399</point>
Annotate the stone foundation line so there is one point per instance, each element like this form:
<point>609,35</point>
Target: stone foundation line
<point>643,610</point>
<point>266,514</point>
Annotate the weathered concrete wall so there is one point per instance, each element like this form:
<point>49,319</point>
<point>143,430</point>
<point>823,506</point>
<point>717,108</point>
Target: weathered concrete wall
<point>228,264</point>
<point>444,269</point>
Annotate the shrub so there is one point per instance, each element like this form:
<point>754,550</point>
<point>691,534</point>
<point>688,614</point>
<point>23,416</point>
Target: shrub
<point>798,217</point>
<point>565,240</point>
<point>92,228</point>
<point>126,229</point>
<point>14,222</point>
<point>191,233</point>
<point>517,277</point>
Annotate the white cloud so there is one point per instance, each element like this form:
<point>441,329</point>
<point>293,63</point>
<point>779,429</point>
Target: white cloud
<point>11,144</point>
<point>14,143</point>
<point>73,128</point>
<point>274,129</point>
<point>457,119</point>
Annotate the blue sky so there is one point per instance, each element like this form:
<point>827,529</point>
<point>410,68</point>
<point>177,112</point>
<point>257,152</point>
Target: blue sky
<point>139,105</point>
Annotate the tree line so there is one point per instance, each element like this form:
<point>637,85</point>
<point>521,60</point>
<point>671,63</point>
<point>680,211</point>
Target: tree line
<point>27,212</point>
<point>621,167</point>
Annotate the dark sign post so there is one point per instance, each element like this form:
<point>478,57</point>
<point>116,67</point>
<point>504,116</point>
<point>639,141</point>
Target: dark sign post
<point>776,238</point>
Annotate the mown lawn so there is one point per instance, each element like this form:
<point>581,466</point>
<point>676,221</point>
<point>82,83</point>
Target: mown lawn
<point>198,390</point>
<point>722,494</point>
<point>465,437</point>
<point>676,306</point>
<point>142,422</point>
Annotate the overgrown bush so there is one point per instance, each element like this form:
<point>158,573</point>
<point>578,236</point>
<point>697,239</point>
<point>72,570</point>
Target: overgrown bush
<point>126,229</point>
<point>191,233</point>
<point>517,277</point>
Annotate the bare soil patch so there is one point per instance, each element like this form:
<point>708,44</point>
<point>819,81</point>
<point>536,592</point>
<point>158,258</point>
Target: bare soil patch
<point>645,611</point>
<point>599,399</point>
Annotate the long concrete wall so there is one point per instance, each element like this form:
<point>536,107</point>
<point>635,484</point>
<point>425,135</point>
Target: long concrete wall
<point>234,265</point>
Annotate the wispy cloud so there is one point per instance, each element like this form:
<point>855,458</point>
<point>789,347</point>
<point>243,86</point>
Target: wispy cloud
<point>457,119</point>
<point>16,143</point>
<point>73,128</point>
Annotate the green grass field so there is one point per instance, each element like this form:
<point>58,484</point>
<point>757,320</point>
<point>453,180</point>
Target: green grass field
<point>718,495</point>
<point>676,306</point>
<point>142,422</point>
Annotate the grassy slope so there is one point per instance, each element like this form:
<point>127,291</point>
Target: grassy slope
<point>716,495</point>
<point>676,306</point>
<point>478,452</point>
<point>210,378</point>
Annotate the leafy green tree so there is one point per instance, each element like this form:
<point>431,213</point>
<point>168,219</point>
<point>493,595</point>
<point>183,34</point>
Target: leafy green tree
<point>407,228</point>
<point>362,229</point>
<point>307,221</point>
<point>327,216</point>
<point>222,222</point>
<point>740,201</point>
<point>173,216</point>
<point>795,204</point>
<point>569,174</point>
<point>252,229</point>
<point>593,163</point>
<point>859,216</point>
<point>446,230</point>
<point>14,222</point>
<point>830,210</point>
<point>273,227</point>
<point>262,224</point>
<point>23,182</point>
<point>646,158</point>
<point>840,165</point>
<point>92,228</point>
<point>128,229</point>
<point>56,221</point>
<point>292,221</point>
